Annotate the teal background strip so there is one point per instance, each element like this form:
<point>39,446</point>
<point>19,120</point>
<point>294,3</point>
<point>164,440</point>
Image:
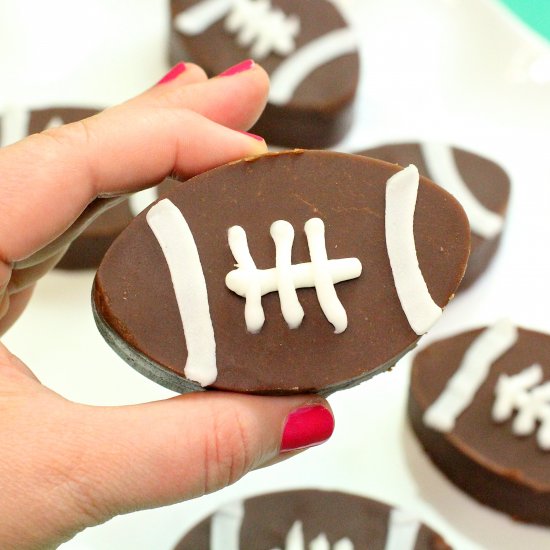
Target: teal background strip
<point>535,13</point>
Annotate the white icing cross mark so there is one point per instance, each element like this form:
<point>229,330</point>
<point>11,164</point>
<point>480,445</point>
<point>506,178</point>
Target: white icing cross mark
<point>524,393</point>
<point>265,29</point>
<point>256,23</point>
<point>252,283</point>
<point>474,368</point>
<point>295,541</point>
<point>401,192</point>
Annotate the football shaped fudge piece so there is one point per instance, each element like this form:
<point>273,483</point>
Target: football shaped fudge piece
<point>318,520</point>
<point>306,47</point>
<point>479,403</point>
<point>480,185</point>
<point>286,273</point>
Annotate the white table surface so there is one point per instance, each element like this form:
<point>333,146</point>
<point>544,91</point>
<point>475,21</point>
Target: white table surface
<point>460,71</point>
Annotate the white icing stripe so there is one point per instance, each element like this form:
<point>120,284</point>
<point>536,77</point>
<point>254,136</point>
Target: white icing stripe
<point>178,246</point>
<point>141,200</point>
<point>225,527</point>
<point>294,69</point>
<point>55,122</point>
<point>295,537</point>
<point>282,233</point>
<point>253,310</point>
<point>320,542</point>
<point>343,544</point>
<point>401,192</point>
<point>402,531</point>
<point>15,125</point>
<point>324,285</point>
<point>474,368</point>
<point>202,15</point>
<point>524,393</point>
<point>443,170</point>
<point>295,540</point>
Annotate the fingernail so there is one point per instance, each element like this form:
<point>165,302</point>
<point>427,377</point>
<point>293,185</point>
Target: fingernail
<point>306,427</point>
<point>173,73</point>
<point>254,136</point>
<point>245,65</point>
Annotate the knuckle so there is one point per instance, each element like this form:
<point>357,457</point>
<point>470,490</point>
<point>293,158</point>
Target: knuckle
<point>228,452</point>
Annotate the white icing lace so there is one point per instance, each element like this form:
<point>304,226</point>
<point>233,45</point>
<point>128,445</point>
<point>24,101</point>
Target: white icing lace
<point>262,27</point>
<point>524,393</point>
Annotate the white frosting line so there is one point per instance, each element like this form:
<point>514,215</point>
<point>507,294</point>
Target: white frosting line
<point>55,122</point>
<point>402,530</point>
<point>320,542</point>
<point>324,285</point>
<point>343,544</point>
<point>524,393</point>
<point>295,68</point>
<point>141,200</point>
<point>252,289</point>
<point>202,15</point>
<point>474,368</point>
<point>295,540</point>
<point>509,389</point>
<point>295,537</point>
<point>225,527</point>
<point>401,192</point>
<point>252,283</point>
<point>15,125</point>
<point>265,28</point>
<point>443,170</point>
<point>178,246</point>
<point>282,233</point>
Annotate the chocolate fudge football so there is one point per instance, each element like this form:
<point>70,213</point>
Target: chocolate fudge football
<point>480,185</point>
<point>304,271</point>
<point>318,520</point>
<point>306,47</point>
<point>479,403</point>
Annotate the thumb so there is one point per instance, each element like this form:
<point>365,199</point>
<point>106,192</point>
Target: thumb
<point>163,452</point>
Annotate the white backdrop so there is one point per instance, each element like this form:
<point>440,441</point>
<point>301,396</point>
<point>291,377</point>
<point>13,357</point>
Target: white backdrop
<point>459,71</point>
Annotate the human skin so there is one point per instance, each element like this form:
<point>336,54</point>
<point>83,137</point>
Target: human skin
<point>66,466</point>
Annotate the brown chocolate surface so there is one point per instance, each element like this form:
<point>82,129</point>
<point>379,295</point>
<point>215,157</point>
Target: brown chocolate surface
<point>482,457</point>
<point>319,113</point>
<point>134,296</point>
<point>268,518</point>
<point>487,180</point>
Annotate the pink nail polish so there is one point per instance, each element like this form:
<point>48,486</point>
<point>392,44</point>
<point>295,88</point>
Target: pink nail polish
<point>254,136</point>
<point>306,427</point>
<point>245,65</point>
<point>173,73</point>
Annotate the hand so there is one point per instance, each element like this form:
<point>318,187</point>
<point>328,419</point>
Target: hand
<point>66,466</point>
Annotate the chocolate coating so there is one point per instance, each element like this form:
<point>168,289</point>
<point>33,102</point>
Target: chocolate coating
<point>483,458</point>
<point>320,111</point>
<point>487,180</point>
<point>134,297</point>
<point>268,518</point>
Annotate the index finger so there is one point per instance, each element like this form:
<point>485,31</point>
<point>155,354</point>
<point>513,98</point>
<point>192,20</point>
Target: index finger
<point>50,178</point>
